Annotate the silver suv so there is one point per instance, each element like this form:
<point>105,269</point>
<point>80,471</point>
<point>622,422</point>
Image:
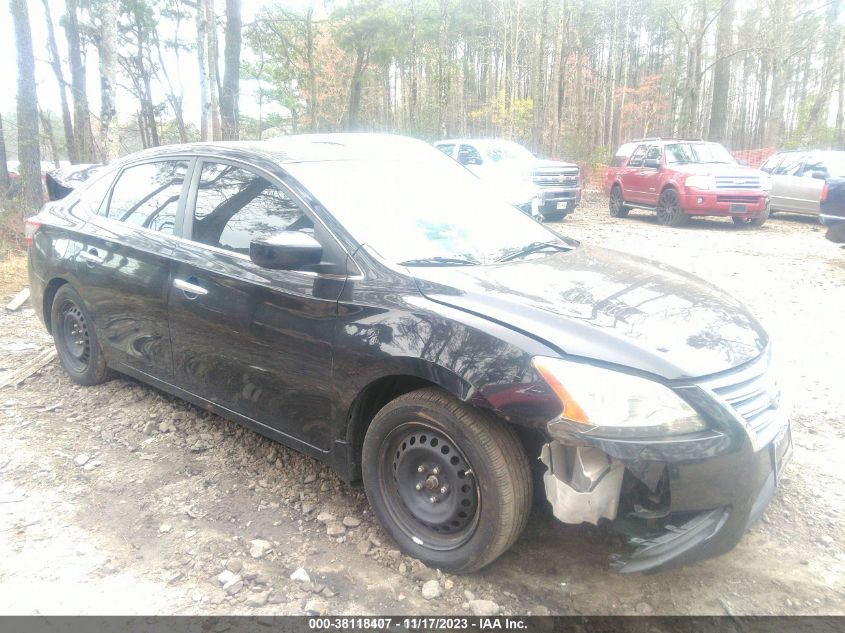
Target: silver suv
<point>798,178</point>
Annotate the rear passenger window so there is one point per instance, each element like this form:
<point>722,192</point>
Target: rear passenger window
<point>147,195</point>
<point>447,149</point>
<point>468,155</point>
<point>636,159</point>
<point>235,206</point>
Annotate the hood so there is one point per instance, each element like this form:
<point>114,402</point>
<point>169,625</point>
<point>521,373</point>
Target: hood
<point>607,306</point>
<point>554,163</point>
<point>717,169</point>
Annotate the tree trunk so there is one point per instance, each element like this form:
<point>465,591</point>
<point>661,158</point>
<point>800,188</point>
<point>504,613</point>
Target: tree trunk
<point>213,72</point>
<point>49,136</point>
<point>205,80</point>
<point>107,46</point>
<point>4,165</point>
<point>232,71</point>
<point>722,74</point>
<point>443,71</point>
<point>355,87</point>
<point>29,156</point>
<point>173,98</point>
<point>313,102</point>
<point>56,64</point>
<point>81,112</point>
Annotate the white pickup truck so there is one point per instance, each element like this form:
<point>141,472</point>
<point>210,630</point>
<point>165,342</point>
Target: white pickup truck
<point>545,189</point>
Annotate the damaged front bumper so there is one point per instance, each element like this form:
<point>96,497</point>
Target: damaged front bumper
<point>678,501</point>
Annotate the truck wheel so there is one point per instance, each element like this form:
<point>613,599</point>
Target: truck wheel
<point>450,483</point>
<point>76,341</point>
<point>616,206</point>
<point>669,211</point>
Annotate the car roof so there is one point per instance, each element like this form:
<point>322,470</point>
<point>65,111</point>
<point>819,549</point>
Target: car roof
<point>475,141</point>
<point>297,148</point>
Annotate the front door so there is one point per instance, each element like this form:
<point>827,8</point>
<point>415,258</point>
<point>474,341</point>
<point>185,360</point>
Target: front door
<point>253,341</point>
<point>124,265</point>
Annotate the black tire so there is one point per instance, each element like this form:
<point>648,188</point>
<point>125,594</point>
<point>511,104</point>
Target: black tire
<point>76,341</point>
<point>756,222</point>
<point>669,211</point>
<point>616,204</point>
<point>427,441</point>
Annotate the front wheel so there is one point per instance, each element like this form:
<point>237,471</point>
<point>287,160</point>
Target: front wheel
<point>451,484</point>
<point>76,341</point>
<point>669,211</point>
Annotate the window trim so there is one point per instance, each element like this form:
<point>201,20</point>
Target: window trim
<point>180,207</point>
<point>186,228</point>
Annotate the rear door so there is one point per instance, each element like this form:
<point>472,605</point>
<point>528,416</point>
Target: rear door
<point>254,341</point>
<point>650,176</point>
<point>632,177</point>
<point>787,185</point>
<point>124,264</point>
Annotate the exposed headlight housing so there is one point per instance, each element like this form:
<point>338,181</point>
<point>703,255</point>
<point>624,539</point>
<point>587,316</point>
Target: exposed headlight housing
<point>705,183</point>
<point>604,402</point>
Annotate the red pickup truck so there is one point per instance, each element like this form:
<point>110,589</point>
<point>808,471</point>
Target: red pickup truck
<point>680,178</point>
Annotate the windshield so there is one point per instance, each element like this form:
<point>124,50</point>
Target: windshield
<point>680,153</point>
<point>425,208</point>
<point>507,150</point>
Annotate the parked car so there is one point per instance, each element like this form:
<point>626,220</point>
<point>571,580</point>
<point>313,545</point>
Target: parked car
<point>833,208</point>
<point>433,345</point>
<point>799,177</point>
<point>681,178</point>
<point>546,189</point>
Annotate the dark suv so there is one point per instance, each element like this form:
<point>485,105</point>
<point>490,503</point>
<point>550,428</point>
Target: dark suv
<point>681,178</point>
<point>434,346</point>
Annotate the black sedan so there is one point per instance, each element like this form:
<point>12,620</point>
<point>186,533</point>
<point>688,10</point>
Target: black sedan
<point>365,300</point>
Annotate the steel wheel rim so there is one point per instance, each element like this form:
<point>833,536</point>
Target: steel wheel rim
<point>75,338</point>
<point>419,463</point>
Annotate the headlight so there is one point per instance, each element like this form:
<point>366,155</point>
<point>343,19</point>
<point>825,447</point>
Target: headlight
<point>611,403</point>
<point>701,182</point>
<point>766,182</point>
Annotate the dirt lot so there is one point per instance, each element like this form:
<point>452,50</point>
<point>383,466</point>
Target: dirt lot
<point>120,499</point>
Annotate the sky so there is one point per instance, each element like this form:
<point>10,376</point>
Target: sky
<point>48,92</point>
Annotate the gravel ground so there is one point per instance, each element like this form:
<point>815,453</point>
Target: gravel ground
<point>120,499</point>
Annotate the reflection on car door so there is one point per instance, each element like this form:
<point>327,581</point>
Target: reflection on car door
<point>124,265</point>
<point>790,191</point>
<point>254,341</point>
<point>812,183</point>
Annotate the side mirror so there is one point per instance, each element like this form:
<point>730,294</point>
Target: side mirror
<point>653,163</point>
<point>818,174</point>
<point>288,250</point>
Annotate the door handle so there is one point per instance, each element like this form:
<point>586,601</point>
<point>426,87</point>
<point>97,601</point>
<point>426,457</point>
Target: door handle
<point>92,257</point>
<point>189,288</point>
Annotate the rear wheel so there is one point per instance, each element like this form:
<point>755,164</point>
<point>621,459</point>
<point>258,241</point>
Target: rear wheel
<point>616,205</point>
<point>669,211</point>
<point>76,341</point>
<point>451,484</point>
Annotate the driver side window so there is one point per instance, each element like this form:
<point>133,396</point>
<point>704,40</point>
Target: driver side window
<point>234,206</point>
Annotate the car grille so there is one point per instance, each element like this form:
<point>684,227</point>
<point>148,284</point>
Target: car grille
<point>556,178</point>
<point>754,396</point>
<point>737,182</point>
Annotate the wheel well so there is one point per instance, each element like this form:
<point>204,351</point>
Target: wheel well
<point>668,186</point>
<point>47,304</point>
<point>371,399</point>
